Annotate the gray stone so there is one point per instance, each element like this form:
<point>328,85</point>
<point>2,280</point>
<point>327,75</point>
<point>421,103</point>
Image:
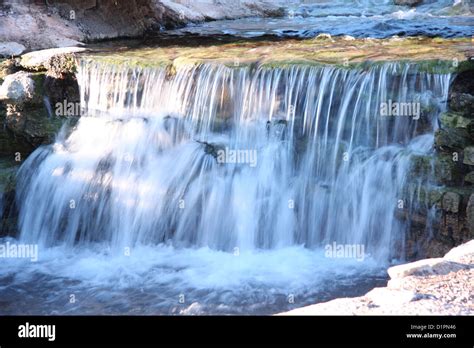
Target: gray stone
<point>424,267</point>
<point>469,178</point>
<point>9,49</point>
<point>469,155</point>
<point>17,88</point>
<point>463,103</point>
<point>452,138</point>
<point>451,202</point>
<point>470,214</point>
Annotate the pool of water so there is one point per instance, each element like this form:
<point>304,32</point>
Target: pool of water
<point>164,280</point>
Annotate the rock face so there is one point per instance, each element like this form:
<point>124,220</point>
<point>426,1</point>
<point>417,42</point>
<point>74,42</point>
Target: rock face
<point>440,286</point>
<point>446,218</point>
<point>29,96</point>
<point>59,23</point>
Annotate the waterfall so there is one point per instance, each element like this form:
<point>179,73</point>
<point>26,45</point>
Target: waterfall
<point>248,157</point>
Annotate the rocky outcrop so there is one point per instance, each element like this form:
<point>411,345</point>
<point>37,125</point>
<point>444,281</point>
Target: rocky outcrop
<point>59,23</point>
<point>440,210</point>
<point>440,286</point>
<point>29,96</point>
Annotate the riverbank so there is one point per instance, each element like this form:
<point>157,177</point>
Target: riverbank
<point>27,25</point>
<point>438,286</point>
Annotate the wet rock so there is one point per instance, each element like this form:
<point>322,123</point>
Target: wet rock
<point>469,178</point>
<point>463,103</point>
<point>9,49</point>
<point>469,155</point>
<point>446,170</point>
<point>451,202</point>
<point>456,120</point>
<point>211,149</point>
<point>452,139</point>
<point>470,215</point>
<point>32,124</point>
<point>408,2</point>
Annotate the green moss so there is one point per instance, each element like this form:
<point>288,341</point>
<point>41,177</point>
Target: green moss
<point>39,78</point>
<point>455,120</point>
<point>7,177</point>
<point>432,55</point>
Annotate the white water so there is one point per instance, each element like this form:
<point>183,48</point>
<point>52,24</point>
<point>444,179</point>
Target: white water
<point>359,18</point>
<point>231,236</point>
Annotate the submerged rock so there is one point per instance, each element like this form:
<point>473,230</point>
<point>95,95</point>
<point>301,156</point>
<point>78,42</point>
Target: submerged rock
<point>408,2</point>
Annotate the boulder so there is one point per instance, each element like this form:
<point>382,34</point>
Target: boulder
<point>9,49</point>
<point>39,60</point>
<point>18,88</point>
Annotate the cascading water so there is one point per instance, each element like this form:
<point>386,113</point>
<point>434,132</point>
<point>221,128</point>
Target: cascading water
<point>188,171</point>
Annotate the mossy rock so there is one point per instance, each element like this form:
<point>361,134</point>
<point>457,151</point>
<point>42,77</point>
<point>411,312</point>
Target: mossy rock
<point>462,103</point>
<point>434,56</point>
<point>469,177</point>
<point>455,120</point>
<point>7,178</point>
<point>452,139</point>
<point>34,125</point>
<point>446,170</point>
